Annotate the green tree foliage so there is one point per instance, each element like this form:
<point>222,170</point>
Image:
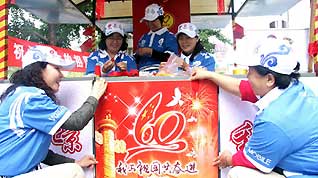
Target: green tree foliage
<point>204,35</point>
<point>26,26</point>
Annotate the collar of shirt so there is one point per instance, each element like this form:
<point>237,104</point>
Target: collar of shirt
<point>272,95</point>
<point>104,54</point>
<point>186,58</point>
<point>159,32</point>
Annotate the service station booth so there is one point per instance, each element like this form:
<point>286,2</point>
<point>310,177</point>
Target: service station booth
<point>151,126</point>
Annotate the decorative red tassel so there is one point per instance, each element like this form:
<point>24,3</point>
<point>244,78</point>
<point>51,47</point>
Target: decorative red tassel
<point>99,9</point>
<point>313,49</point>
<point>220,6</point>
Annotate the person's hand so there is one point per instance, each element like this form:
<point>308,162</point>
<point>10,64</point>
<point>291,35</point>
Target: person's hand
<point>199,73</point>
<point>185,66</point>
<point>98,88</point>
<point>86,161</point>
<point>122,65</point>
<point>108,65</point>
<point>223,160</point>
<point>162,65</point>
<point>144,51</point>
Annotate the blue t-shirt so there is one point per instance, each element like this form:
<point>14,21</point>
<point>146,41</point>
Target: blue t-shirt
<point>202,59</point>
<point>285,133</point>
<point>28,119</point>
<point>99,57</point>
<point>161,41</point>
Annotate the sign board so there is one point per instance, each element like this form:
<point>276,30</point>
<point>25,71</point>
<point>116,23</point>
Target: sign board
<point>157,129</point>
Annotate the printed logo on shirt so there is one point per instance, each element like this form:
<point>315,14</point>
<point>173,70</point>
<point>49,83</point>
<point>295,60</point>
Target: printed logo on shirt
<point>160,42</point>
<point>57,114</point>
<point>142,44</point>
<point>206,55</point>
<point>259,157</point>
<point>197,63</point>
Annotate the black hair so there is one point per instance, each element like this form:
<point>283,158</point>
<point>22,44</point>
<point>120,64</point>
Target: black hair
<point>102,42</point>
<point>161,18</point>
<point>197,49</point>
<point>282,81</point>
<point>30,75</point>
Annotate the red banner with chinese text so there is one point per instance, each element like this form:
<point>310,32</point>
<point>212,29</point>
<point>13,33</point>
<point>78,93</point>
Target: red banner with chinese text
<point>146,130</point>
<point>17,48</point>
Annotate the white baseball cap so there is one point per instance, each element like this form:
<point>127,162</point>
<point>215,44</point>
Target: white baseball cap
<point>47,54</point>
<point>275,54</point>
<point>188,29</point>
<point>114,27</point>
<point>152,12</point>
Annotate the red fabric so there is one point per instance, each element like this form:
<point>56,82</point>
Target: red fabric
<point>97,70</point>
<point>89,31</point>
<point>132,73</point>
<point>238,159</point>
<point>313,49</point>
<point>220,6</point>
<point>247,93</point>
<point>99,9</point>
<point>87,45</point>
<point>238,31</point>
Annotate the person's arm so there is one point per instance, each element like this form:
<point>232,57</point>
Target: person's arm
<point>79,119</point>
<point>228,83</point>
<point>54,159</point>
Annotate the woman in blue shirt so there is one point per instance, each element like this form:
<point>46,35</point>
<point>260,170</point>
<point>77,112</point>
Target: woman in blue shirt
<point>111,55</point>
<point>193,52</point>
<point>30,115</point>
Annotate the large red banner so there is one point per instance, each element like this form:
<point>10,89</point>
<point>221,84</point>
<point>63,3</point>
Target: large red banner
<point>157,129</point>
<point>17,48</point>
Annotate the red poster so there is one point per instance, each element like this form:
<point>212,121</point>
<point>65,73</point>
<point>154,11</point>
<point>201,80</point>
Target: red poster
<point>175,13</point>
<point>157,129</point>
<point>17,48</point>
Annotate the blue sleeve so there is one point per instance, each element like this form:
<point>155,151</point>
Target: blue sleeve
<point>91,62</point>
<point>210,63</point>
<point>171,44</point>
<point>41,113</point>
<point>140,45</point>
<point>267,146</point>
<point>131,64</point>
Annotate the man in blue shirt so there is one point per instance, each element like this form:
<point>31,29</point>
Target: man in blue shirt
<point>156,45</point>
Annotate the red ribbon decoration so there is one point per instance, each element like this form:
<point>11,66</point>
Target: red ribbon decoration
<point>132,73</point>
<point>220,6</point>
<point>313,49</point>
<point>99,9</point>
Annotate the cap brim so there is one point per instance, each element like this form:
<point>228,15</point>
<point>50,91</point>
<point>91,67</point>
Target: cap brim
<point>148,19</point>
<point>189,34</point>
<point>68,65</point>
<point>117,31</point>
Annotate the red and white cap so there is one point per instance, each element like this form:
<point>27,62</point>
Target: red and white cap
<point>114,27</point>
<point>152,12</point>
<point>275,54</point>
<point>188,29</point>
<point>47,54</point>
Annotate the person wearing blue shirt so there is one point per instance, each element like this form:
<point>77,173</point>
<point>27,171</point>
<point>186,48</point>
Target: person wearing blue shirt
<point>284,142</point>
<point>155,46</point>
<point>30,115</point>
<point>111,56</point>
<point>192,51</point>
